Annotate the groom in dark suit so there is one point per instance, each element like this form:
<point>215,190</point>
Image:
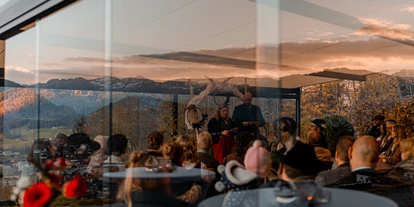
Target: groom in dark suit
<point>248,117</point>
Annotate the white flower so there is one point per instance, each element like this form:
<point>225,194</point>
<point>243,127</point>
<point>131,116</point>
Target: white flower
<point>13,197</point>
<point>16,190</point>
<point>23,182</point>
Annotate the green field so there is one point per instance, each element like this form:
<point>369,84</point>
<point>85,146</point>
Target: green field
<point>26,136</point>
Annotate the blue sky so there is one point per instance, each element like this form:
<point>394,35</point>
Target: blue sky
<point>71,41</point>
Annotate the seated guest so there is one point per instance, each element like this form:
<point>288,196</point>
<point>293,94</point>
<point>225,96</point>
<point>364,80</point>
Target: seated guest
<point>146,191</point>
<point>204,144</point>
<point>258,160</point>
<point>97,158</point>
<point>405,169</point>
<point>155,140</point>
<point>117,147</point>
<point>386,142</point>
<point>243,139</point>
<point>174,152</point>
<point>299,162</point>
<point>317,139</point>
<point>328,177</point>
<point>190,159</point>
<point>393,154</point>
<point>363,156</point>
<point>285,129</point>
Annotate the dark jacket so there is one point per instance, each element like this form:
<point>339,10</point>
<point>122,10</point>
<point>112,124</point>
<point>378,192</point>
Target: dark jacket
<point>208,160</point>
<point>216,126</point>
<point>357,180</point>
<point>155,199</point>
<point>329,177</point>
<point>244,113</point>
<point>375,131</point>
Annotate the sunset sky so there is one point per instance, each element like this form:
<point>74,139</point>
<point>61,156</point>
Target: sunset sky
<point>293,37</point>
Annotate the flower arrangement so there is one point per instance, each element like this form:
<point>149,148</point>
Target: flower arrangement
<point>50,191</point>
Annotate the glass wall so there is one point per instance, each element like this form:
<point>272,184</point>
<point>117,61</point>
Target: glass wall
<point>90,83</point>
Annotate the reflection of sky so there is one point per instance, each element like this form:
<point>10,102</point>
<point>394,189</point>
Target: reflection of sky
<point>72,40</point>
<point>2,2</point>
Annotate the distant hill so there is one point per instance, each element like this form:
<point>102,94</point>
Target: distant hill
<point>18,107</point>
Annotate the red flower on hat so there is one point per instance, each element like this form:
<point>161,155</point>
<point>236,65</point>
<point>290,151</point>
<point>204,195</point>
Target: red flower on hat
<point>75,188</point>
<point>37,195</point>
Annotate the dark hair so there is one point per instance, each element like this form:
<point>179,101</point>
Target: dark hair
<point>343,145</point>
<point>117,144</point>
<point>78,139</point>
<point>243,139</point>
<point>173,151</point>
<point>289,125</point>
<point>155,140</point>
<point>292,173</point>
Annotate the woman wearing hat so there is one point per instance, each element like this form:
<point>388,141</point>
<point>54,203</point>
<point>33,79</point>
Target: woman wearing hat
<point>222,129</point>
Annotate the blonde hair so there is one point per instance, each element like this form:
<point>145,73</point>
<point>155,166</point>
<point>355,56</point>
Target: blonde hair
<point>399,130</point>
<point>173,151</point>
<point>407,145</point>
<point>205,141</point>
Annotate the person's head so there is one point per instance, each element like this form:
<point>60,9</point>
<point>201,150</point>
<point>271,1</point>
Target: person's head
<point>247,98</point>
<point>174,152</point>
<point>222,112</point>
<point>300,161</point>
<point>204,141</point>
<point>315,134</point>
<point>243,139</point>
<point>132,184</point>
<point>155,140</point>
<point>117,144</point>
<point>378,120</point>
<point>258,159</point>
<point>59,139</point>
<point>407,149</point>
<point>398,131</point>
<point>389,125</point>
<point>341,154</point>
<point>40,150</point>
<point>285,124</point>
<point>364,152</point>
<point>186,141</point>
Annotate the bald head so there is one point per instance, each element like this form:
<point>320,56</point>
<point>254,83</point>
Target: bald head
<point>248,98</point>
<point>364,152</point>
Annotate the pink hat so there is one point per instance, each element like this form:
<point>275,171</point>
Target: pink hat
<point>258,159</point>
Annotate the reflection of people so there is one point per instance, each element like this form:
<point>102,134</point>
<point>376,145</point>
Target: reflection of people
<point>393,154</point>
<point>376,129</point>
<point>146,191</point>
<point>155,140</point>
<point>317,139</point>
<point>247,116</point>
<point>222,129</point>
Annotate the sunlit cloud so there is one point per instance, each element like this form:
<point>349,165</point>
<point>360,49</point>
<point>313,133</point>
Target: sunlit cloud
<point>408,9</point>
<point>386,29</point>
<point>19,69</point>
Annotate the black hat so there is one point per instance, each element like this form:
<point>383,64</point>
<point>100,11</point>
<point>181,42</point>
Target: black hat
<point>302,157</point>
<point>320,123</point>
<point>379,117</point>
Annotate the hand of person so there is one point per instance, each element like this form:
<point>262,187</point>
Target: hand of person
<point>382,156</point>
<point>246,123</point>
<point>225,132</point>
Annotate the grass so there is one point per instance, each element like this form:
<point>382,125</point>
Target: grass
<point>28,135</point>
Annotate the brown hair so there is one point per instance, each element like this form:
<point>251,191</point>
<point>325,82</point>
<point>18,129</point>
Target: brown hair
<point>407,145</point>
<point>173,151</point>
<point>131,184</point>
<point>343,146</point>
<point>155,140</point>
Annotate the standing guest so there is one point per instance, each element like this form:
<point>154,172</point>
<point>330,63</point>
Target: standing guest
<point>386,142</point>
<point>222,129</point>
<point>317,139</point>
<point>376,129</point>
<point>328,177</point>
<point>248,117</point>
<point>243,141</point>
<point>155,140</point>
<point>393,155</point>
